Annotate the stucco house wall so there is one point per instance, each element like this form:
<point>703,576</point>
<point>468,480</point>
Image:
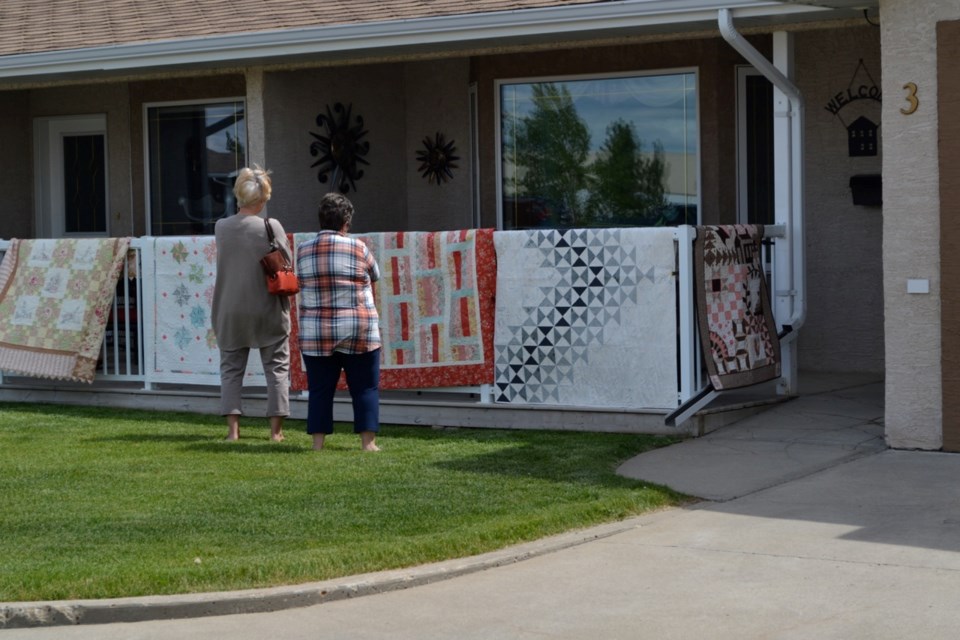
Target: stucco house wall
<point>911,223</point>
<point>844,326</point>
<point>292,101</point>
<point>400,103</point>
<point>438,100</point>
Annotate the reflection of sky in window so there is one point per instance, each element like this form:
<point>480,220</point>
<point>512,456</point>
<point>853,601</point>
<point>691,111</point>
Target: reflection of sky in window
<point>217,140</point>
<point>661,108</point>
<point>231,114</point>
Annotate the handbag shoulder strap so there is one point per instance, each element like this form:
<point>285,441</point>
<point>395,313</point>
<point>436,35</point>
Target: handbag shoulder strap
<point>270,238</point>
<point>276,246</point>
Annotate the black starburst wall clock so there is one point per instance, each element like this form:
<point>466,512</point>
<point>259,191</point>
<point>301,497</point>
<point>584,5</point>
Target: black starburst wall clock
<point>340,148</point>
<point>437,159</point>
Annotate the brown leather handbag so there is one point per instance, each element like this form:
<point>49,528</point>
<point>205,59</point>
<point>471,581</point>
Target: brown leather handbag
<point>281,280</point>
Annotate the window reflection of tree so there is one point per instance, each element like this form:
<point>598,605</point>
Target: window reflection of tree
<point>626,184</point>
<point>561,182</point>
<point>552,146</point>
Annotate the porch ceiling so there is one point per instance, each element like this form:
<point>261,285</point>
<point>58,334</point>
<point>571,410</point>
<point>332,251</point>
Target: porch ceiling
<point>147,38</point>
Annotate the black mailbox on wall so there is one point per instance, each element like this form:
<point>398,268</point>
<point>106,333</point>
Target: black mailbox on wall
<point>867,190</point>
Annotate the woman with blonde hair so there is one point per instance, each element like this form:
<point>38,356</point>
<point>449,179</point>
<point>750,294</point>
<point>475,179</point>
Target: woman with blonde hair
<point>245,315</point>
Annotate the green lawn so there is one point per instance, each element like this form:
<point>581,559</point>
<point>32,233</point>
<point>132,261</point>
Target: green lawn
<point>104,503</point>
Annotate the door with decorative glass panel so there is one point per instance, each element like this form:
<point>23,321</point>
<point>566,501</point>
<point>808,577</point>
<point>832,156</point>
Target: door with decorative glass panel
<point>71,176</point>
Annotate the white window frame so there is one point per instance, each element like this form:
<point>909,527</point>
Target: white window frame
<point>498,83</point>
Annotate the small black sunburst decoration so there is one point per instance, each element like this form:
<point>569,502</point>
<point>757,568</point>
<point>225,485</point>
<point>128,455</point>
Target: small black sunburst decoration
<point>437,159</point>
<point>341,148</point>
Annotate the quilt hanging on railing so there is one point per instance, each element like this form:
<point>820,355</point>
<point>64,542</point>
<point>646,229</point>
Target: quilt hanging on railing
<point>435,299</point>
<point>185,271</point>
<point>737,330</point>
<point>586,317</point>
<point>184,274</point>
<point>55,298</point>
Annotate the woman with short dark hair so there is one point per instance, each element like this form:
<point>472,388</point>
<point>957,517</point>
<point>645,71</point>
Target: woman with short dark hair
<point>339,326</point>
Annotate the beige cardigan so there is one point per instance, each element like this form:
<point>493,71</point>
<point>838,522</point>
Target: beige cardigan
<point>244,313</point>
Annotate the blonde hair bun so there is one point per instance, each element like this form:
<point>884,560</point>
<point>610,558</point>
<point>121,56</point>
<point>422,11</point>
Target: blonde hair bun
<point>253,185</point>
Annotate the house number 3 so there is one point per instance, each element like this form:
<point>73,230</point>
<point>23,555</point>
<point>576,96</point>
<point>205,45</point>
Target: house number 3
<point>911,98</point>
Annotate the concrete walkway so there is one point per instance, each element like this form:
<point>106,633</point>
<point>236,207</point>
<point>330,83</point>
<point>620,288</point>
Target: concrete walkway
<point>836,419</point>
<point>812,529</point>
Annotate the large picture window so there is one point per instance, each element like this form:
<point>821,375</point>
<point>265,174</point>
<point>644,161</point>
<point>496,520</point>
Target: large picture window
<point>599,152</point>
<point>194,153</point>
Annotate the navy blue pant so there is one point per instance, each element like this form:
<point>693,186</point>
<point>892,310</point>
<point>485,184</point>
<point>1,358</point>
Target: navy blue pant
<point>363,381</point>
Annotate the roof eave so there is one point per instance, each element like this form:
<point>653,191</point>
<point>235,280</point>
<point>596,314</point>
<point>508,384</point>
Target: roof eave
<point>461,31</point>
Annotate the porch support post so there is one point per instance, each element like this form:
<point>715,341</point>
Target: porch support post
<point>256,146</point>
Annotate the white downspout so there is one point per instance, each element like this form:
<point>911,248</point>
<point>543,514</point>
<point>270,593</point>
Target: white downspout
<point>790,266</point>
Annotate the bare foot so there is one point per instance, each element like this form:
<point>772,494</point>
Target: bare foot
<point>233,427</point>
<point>368,441</point>
<point>276,428</point>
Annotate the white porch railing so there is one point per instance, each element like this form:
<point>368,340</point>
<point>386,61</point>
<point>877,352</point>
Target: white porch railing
<point>127,347</point>
<point>122,353</point>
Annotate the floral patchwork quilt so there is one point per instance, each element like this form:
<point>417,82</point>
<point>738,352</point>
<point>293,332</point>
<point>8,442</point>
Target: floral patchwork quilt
<point>55,298</point>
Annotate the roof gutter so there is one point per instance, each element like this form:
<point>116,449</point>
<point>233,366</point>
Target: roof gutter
<point>793,285</point>
<point>460,30</point>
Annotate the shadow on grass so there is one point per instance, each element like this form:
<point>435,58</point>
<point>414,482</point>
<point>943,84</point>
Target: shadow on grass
<point>516,462</point>
<point>154,437</point>
<point>240,448</point>
<point>206,443</point>
<point>540,454</point>
<point>519,452</point>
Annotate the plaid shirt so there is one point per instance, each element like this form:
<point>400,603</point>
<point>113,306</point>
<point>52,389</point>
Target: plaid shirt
<point>337,310</point>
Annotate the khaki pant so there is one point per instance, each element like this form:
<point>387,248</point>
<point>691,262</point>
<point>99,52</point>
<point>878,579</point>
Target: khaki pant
<point>276,368</point>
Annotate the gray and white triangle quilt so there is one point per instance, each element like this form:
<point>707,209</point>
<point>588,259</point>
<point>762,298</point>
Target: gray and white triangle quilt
<point>586,317</point>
